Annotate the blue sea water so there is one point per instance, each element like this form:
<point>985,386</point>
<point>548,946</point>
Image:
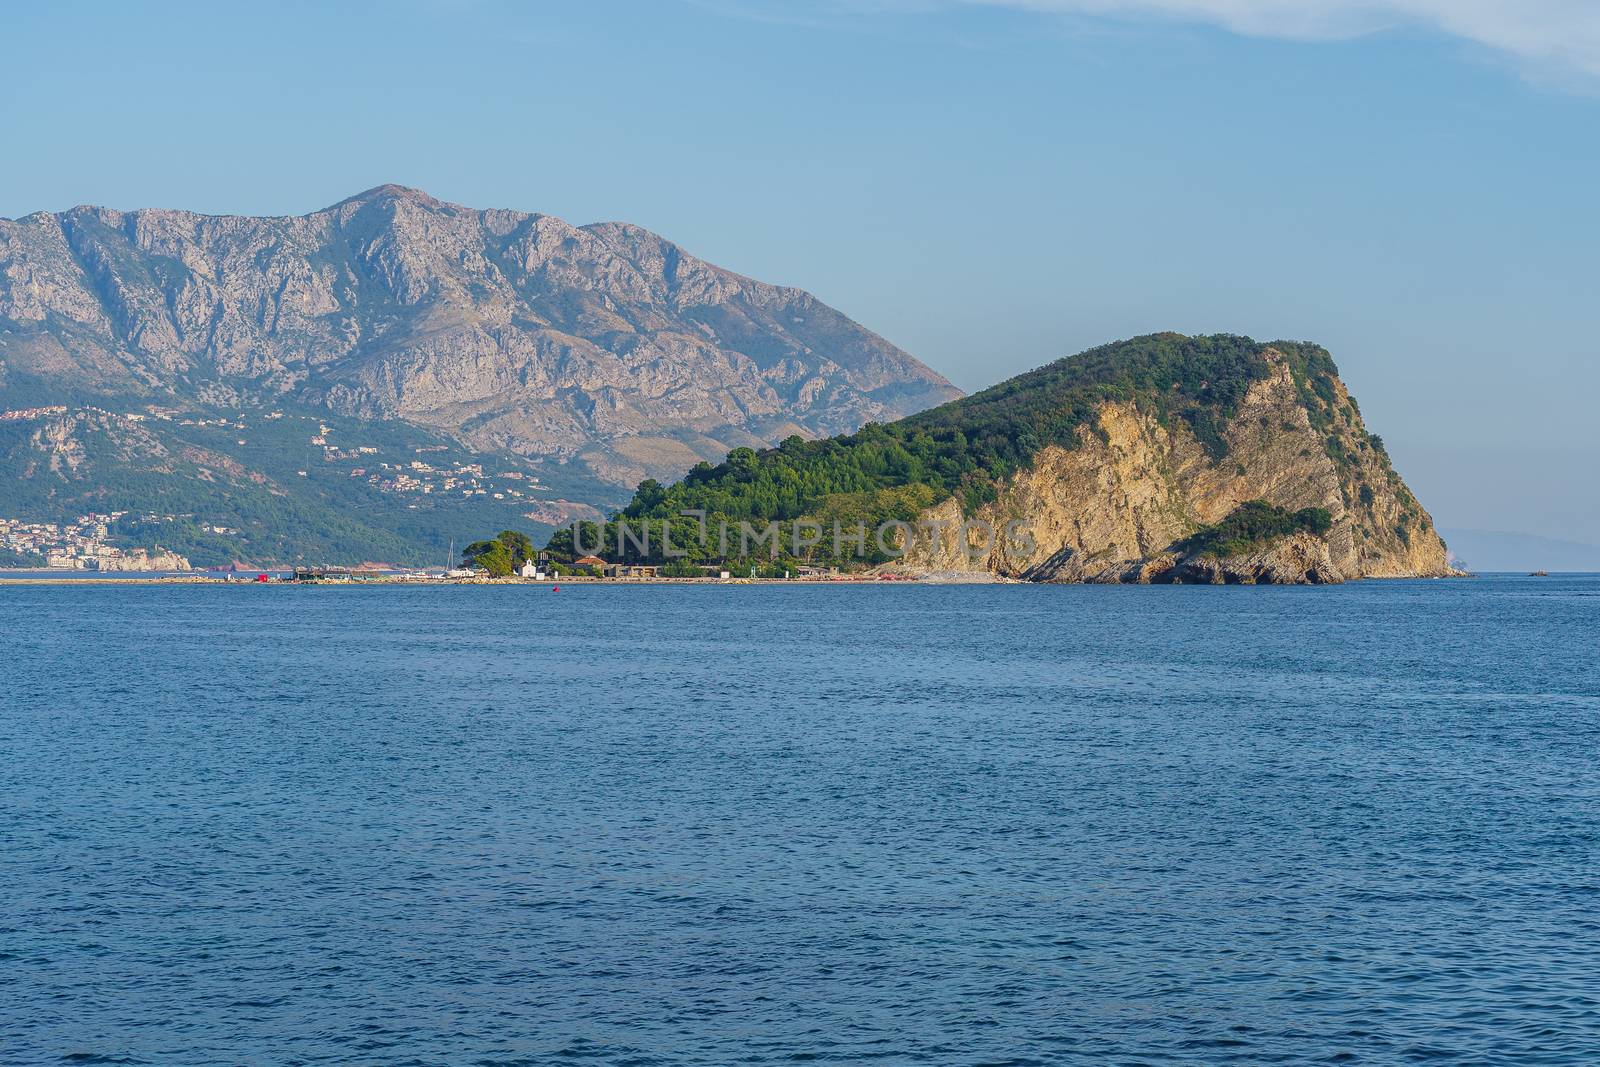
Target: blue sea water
<point>718,825</point>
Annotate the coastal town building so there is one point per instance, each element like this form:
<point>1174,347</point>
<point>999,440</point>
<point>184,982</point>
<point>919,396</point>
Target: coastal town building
<point>29,414</point>
<point>80,545</point>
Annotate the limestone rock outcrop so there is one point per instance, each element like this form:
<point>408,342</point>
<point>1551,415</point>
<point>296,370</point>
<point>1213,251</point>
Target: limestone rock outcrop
<point>1114,508</point>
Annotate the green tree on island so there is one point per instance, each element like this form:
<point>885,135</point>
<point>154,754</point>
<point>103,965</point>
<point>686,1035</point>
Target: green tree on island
<point>1252,525</point>
<point>500,557</point>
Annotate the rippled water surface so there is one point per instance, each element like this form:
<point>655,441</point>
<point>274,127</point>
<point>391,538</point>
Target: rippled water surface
<point>715,825</point>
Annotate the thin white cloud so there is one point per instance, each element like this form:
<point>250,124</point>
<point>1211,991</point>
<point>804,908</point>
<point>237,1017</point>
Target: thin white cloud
<point>1549,38</point>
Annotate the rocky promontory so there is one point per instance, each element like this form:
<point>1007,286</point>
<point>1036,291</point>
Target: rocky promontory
<point>1137,482</point>
<point>1294,559</point>
<point>1160,459</point>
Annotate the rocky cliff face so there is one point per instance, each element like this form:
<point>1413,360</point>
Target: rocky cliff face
<point>1113,508</point>
<point>140,559</point>
<point>509,330</point>
<point>1295,559</point>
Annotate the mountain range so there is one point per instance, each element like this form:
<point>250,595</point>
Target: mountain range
<point>580,359</point>
<point>508,330</point>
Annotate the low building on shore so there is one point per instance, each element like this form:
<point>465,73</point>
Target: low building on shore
<point>313,575</point>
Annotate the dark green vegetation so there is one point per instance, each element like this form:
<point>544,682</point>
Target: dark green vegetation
<point>1253,525</point>
<point>501,556</point>
<point>179,483</point>
<point>965,448</point>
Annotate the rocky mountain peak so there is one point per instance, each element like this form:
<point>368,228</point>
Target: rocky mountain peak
<point>389,191</point>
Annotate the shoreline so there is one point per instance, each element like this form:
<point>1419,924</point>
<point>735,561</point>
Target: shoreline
<point>414,581</point>
<point>206,579</point>
<point>423,583</point>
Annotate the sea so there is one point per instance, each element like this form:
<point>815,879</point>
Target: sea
<point>821,824</point>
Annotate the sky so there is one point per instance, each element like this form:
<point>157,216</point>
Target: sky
<point>990,184</point>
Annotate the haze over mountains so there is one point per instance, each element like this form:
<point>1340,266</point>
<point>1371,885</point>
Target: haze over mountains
<point>507,330</point>
<point>1500,550</point>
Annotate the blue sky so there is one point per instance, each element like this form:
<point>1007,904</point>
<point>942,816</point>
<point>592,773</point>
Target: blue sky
<point>990,185</point>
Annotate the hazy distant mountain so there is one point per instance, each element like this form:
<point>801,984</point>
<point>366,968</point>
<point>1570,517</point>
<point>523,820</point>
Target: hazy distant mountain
<point>508,330</point>
<point>1499,550</point>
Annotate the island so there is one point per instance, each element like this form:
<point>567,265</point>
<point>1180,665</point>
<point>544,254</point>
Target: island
<point>1161,459</point>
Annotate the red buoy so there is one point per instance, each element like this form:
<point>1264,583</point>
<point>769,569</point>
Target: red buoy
<point>555,589</point>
